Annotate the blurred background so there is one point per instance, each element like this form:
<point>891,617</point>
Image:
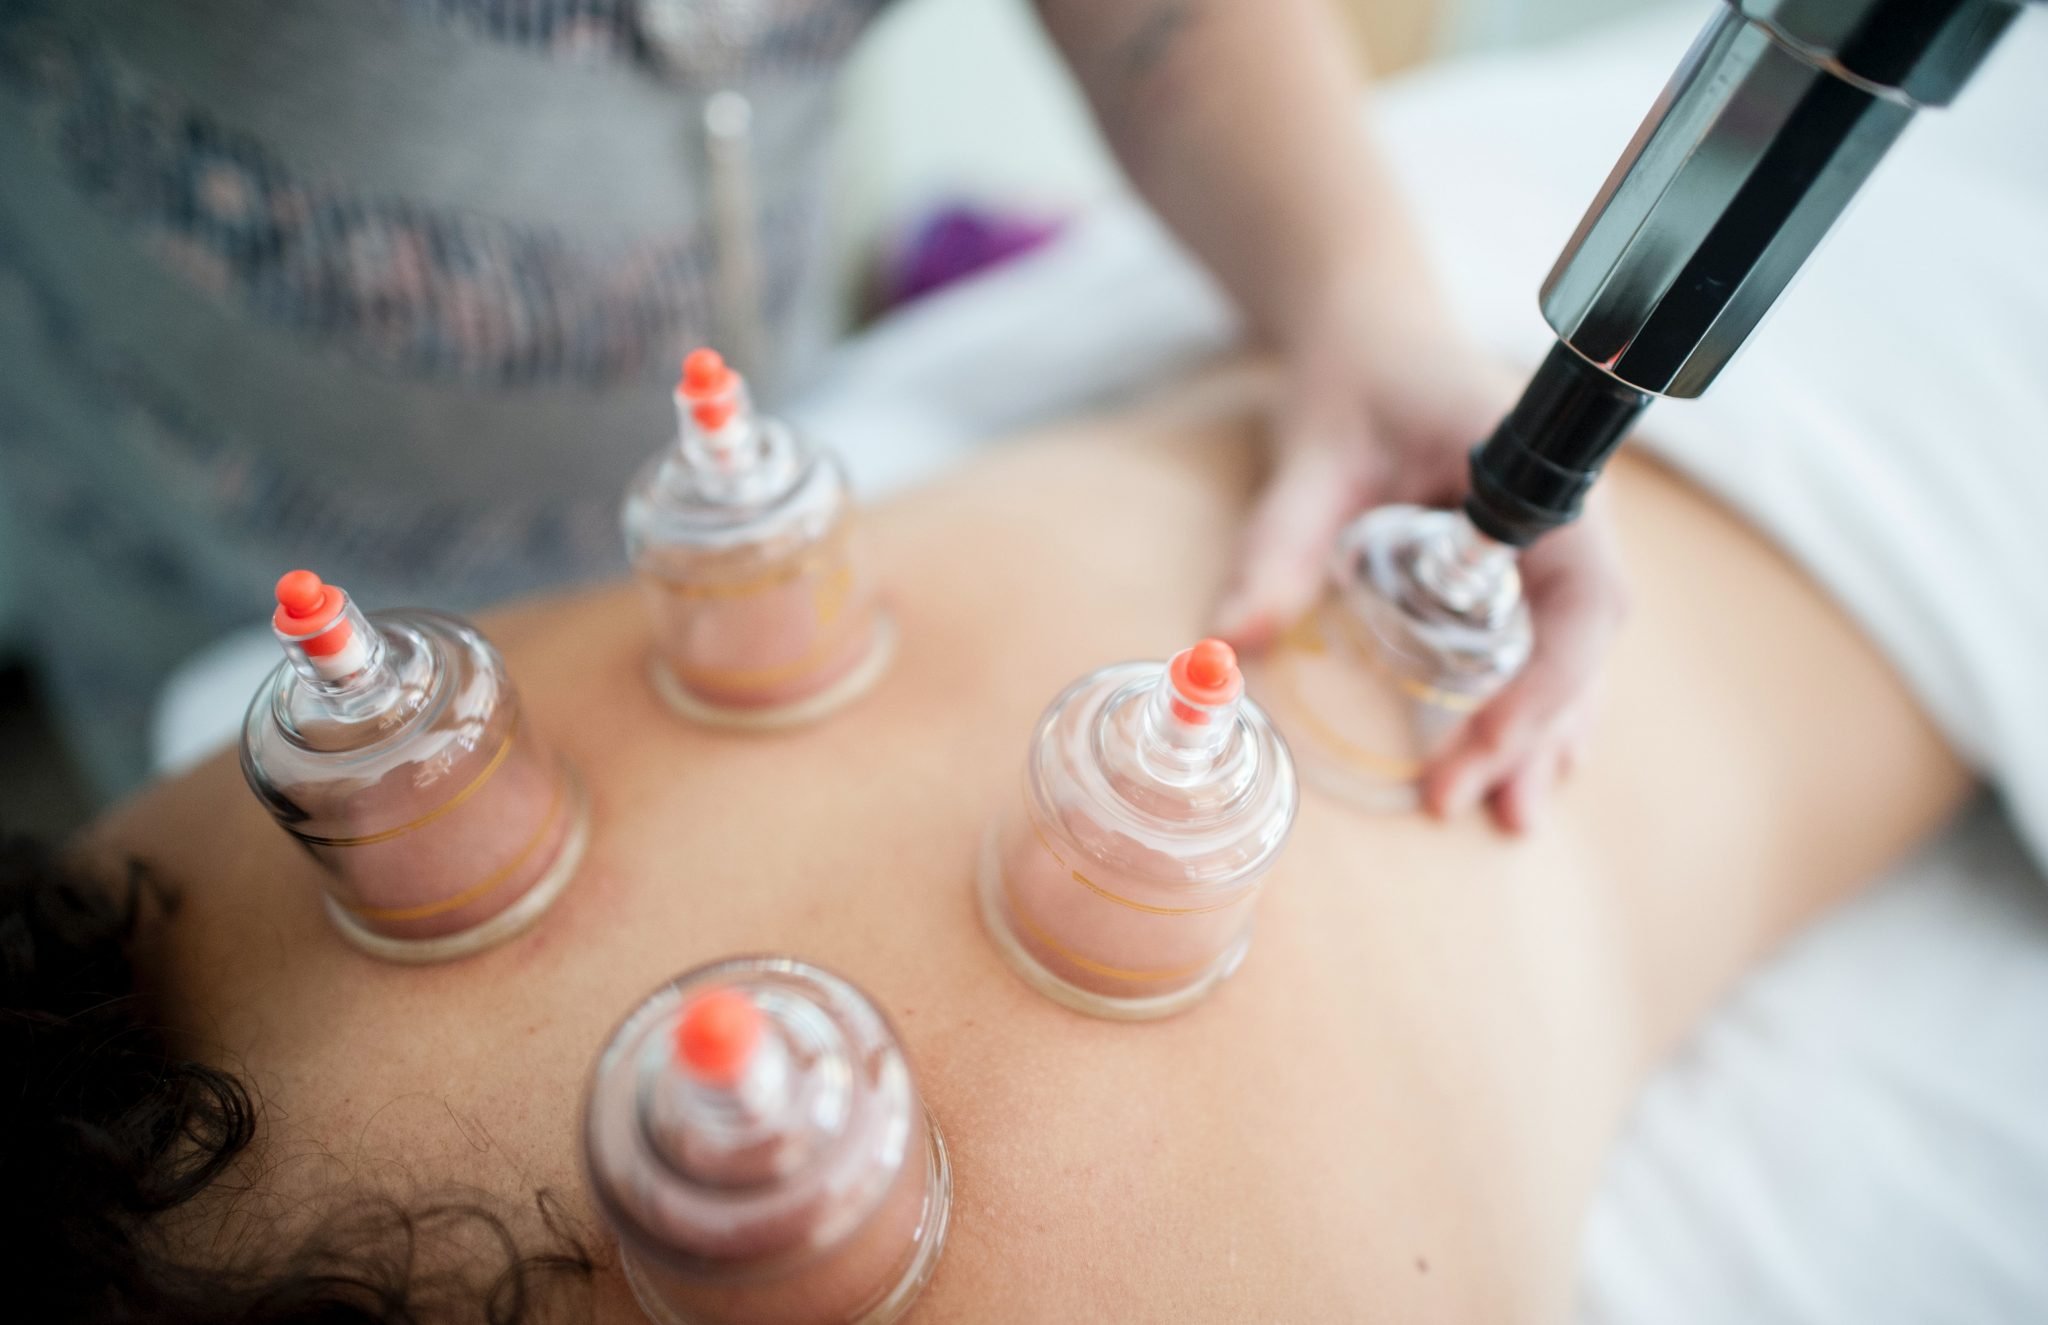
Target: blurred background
<point>961,139</point>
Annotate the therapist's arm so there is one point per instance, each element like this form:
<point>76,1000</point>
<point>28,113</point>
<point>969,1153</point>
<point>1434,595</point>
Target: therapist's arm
<point>1239,121</point>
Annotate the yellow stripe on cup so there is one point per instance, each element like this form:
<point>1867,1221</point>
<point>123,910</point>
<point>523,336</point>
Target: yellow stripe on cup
<point>1108,896</point>
<point>1090,964</point>
<point>369,839</point>
<point>476,891</point>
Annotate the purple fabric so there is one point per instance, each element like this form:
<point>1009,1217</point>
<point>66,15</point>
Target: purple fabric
<point>957,241</point>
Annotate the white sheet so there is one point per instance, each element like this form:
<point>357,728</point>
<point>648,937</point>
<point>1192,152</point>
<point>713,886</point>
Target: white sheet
<point>1860,1134</point>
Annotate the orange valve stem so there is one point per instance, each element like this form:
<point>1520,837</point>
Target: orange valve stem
<point>300,592</point>
<point>710,386</point>
<point>308,611</point>
<point>717,1036</point>
<point>704,372</point>
<point>1206,675</point>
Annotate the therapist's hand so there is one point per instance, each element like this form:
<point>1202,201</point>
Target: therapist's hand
<point>1375,409</point>
<point>1242,124</point>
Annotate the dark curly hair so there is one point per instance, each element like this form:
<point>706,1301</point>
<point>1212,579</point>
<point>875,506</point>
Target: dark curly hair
<point>105,1129</point>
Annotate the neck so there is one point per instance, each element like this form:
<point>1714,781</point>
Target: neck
<point>728,1133</point>
<point>356,684</point>
<point>1463,573</point>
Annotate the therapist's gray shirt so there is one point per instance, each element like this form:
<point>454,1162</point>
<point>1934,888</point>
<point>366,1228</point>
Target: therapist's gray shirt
<point>393,289</point>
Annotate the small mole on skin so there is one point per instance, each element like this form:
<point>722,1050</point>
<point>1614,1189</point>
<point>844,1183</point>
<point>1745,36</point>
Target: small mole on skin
<point>1421,1265</point>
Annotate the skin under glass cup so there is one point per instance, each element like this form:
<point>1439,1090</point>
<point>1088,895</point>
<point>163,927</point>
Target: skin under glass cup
<point>755,1141</point>
<point>1423,623</point>
<point>394,749</point>
<point>1120,880</point>
<point>742,538</point>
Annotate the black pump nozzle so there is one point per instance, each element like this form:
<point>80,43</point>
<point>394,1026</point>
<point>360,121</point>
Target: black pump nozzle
<point>1530,476</point>
<point>1770,125</point>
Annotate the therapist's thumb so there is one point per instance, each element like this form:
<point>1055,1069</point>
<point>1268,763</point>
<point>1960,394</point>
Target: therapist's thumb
<point>1281,561</point>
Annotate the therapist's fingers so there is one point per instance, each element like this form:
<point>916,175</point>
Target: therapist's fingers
<point>1513,752</point>
<point>1519,803</point>
<point>1320,481</point>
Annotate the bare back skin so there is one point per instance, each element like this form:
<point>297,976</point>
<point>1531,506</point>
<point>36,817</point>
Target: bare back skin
<point>1395,1111</point>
